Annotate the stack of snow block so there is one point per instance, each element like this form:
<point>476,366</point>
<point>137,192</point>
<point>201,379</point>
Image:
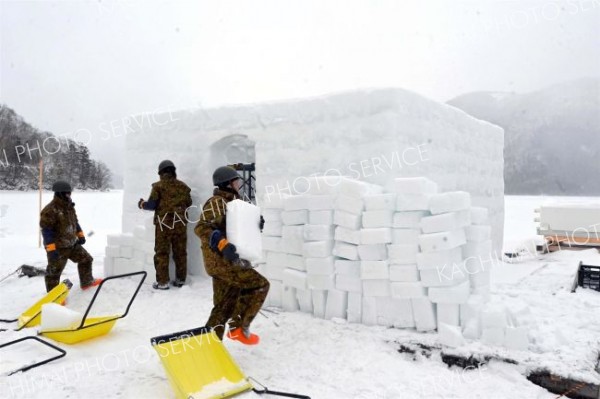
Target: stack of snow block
<point>275,259</point>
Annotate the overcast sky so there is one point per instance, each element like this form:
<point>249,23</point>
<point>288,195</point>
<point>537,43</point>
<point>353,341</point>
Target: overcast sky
<point>69,65</point>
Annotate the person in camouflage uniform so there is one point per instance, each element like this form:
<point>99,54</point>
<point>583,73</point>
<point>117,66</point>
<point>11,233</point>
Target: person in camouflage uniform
<point>64,239</point>
<point>238,290</point>
<point>169,199</point>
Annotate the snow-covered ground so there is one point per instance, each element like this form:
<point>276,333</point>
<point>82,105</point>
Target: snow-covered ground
<point>298,353</point>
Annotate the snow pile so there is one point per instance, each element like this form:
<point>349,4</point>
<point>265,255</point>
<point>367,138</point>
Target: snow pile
<point>57,317</point>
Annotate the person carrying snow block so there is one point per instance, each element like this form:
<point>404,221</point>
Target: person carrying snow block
<point>169,199</point>
<point>238,290</point>
<point>64,239</point>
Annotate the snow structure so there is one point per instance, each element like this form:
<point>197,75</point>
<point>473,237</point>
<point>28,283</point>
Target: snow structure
<point>366,247</point>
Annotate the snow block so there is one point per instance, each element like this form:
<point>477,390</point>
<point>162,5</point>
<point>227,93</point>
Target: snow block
<point>374,270</point>
<point>471,309</point>
<point>108,267</point>
<point>289,299</point>
<point>346,251</point>
<point>457,294</point>
<point>449,202</point>
<point>450,335</point>
<point>494,316</point>
<point>442,241</point>
<point>402,254</point>
<point>358,189</point>
<point>276,259</point>
<point>424,314</point>
<point>273,229</point>
<point>516,338</point>
<point>447,277</point>
<point>394,313</point>
<point>376,236</point>
<point>477,250</point>
<point>405,236</point>
<point>293,239</point>
<point>380,218</point>
<point>320,202</point>
<point>372,252</point>
<point>294,218</point>
<point>274,201</point>
<point>126,252</point>
<point>319,298</point>
<point>347,267</point>
<point>271,215</point>
<point>320,281</point>
<point>273,271</point>
<point>445,222</point>
<point>57,317</point>
<point>402,290</point>
<point>408,220</point>
<point>348,204</point>
<point>242,229</point>
<point>380,202</point>
<point>348,283</point>
<point>478,233</point>
<point>354,310</point>
<point>275,295</point>
<point>295,262</point>
<point>304,300</point>
<point>294,203</point>
<point>318,232</point>
<point>320,217</point>
<point>433,260</point>
<point>112,251</point>
<point>120,239</point>
<point>414,185</point>
<point>472,329</point>
<point>492,336</point>
<point>376,288</point>
<point>404,273</point>
<point>295,278</point>
<point>412,202</point>
<point>337,304</point>
<point>448,313</point>
<point>347,235</point>
<point>348,220</point>
<point>369,311</point>
<point>320,265</point>
<point>317,249</point>
<point>479,215</point>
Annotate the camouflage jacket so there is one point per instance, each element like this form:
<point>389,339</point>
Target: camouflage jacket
<point>169,199</point>
<point>214,217</point>
<point>59,224</point>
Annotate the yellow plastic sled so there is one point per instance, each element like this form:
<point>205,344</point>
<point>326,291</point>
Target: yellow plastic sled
<point>92,327</point>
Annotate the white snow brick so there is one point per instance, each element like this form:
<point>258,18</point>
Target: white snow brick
<point>412,202</point>
<point>492,336</point>
<point>289,299</point>
<point>457,294</point>
<point>126,252</point>
<point>380,202</point>
<point>274,201</point>
<point>472,329</point>
<point>424,314</point>
<point>295,203</point>
<point>415,185</point>
<point>346,251</point>
<point>337,304</point>
<point>479,215</point>
<point>450,335</point>
<point>405,236</point>
<point>401,254</point>
<point>293,239</point>
<point>112,251</point>
<point>320,217</point>
<point>304,300</point>
<point>318,232</point>
<point>348,267</point>
<point>243,230</point>
<point>375,288</point>
<point>320,202</point>
<point>119,239</point>
<point>320,265</point>
<point>358,189</point>
<point>374,270</point>
<point>448,277</point>
<point>319,299</point>
<point>348,204</point>
<point>516,338</point>
<point>271,215</point>
<point>139,232</point>
<point>449,202</point>
<point>445,222</point>
<point>394,313</point>
<point>376,236</point>
<point>354,310</point>
<point>372,252</point>
<point>294,218</point>
<point>274,271</point>
<point>380,218</point>
<point>295,278</point>
<point>275,295</point>
<point>442,241</point>
<point>494,316</point>
<point>404,273</point>
<point>57,317</point>
<point>272,244</point>
<point>317,249</point>
<point>348,283</point>
<point>408,220</point>
<point>471,309</point>
<point>273,229</point>
<point>348,220</point>
<point>123,266</point>
<point>478,250</point>
<point>295,262</point>
<point>321,281</point>
<point>108,266</point>
<point>478,233</point>
<point>433,260</point>
<point>448,313</point>
<point>408,290</point>
<point>369,311</point>
<point>347,235</point>
<point>276,259</point>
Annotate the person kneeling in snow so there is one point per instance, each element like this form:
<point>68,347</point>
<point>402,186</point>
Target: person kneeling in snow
<point>238,290</point>
<point>63,239</point>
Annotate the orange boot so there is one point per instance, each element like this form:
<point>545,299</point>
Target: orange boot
<point>95,282</point>
<point>243,335</point>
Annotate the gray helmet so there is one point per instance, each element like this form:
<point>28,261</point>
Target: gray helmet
<point>61,186</point>
<point>224,174</point>
<point>165,164</point>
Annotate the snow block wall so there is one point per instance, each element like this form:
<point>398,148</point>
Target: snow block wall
<point>373,136</point>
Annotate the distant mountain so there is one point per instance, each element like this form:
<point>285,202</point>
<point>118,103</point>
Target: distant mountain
<point>22,146</point>
<point>552,136</point>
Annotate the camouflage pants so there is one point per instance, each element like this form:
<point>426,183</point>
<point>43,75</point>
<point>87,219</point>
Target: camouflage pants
<point>76,254</point>
<point>236,290</point>
<point>164,239</point>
